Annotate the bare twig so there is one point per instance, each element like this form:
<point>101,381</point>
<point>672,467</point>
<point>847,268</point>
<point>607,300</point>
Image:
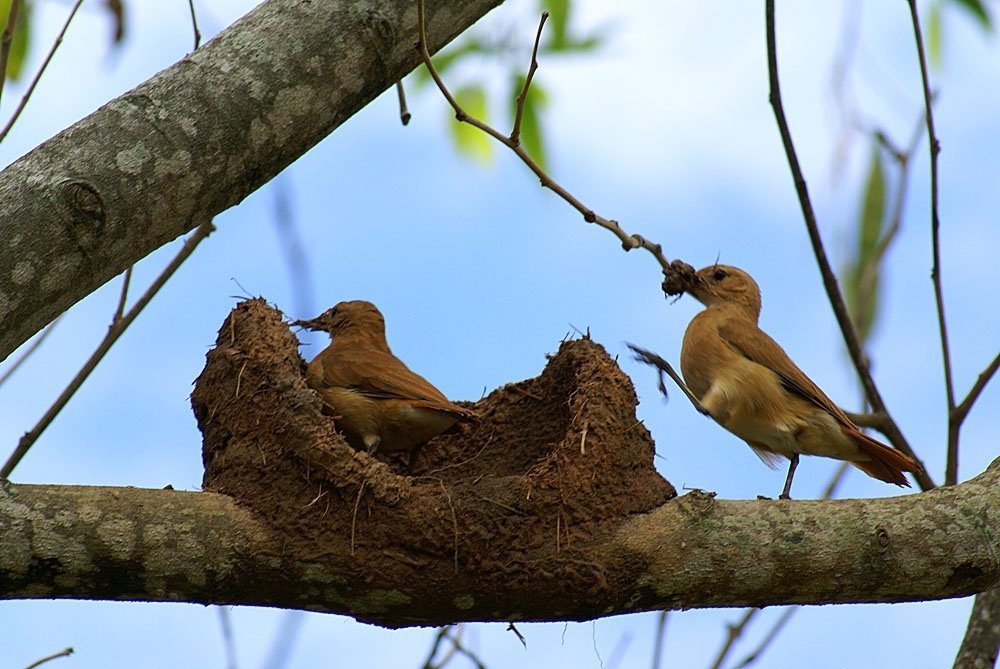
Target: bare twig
<point>194,26</point>
<point>228,641</point>
<point>114,332</point>
<point>284,640</point>
<point>893,433</point>
<point>962,410</point>
<point>439,637</point>
<point>875,421</point>
<point>671,271</point>
<point>733,632</point>
<point>522,97</point>
<point>981,644</point>
<point>664,367</point>
<point>7,39</point>
<point>41,70</point>
<point>296,257</point>
<point>661,634</point>
<point>404,112</point>
<point>28,351</point>
<point>755,654</point>
<point>456,642</point>
<point>511,627</point>
<point>66,652</point>
<point>951,468</point>
<point>120,309</point>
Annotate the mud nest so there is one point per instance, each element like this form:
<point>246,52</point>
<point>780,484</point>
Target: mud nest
<point>554,462</point>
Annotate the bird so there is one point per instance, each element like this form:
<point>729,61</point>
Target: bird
<point>379,404</point>
<point>750,386</point>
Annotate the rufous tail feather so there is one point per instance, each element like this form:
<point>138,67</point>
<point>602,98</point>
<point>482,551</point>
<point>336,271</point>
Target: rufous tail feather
<point>886,463</point>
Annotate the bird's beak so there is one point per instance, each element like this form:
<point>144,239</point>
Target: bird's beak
<point>697,289</point>
<point>311,324</point>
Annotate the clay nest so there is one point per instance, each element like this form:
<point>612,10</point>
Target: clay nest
<point>554,462</point>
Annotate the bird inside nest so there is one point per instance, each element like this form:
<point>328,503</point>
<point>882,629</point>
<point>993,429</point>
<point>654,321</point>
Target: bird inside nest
<point>376,401</point>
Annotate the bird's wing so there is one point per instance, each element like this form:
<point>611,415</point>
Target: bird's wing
<point>382,375</point>
<point>755,345</point>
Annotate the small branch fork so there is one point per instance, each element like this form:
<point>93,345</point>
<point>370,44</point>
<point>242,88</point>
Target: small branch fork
<point>675,273</point>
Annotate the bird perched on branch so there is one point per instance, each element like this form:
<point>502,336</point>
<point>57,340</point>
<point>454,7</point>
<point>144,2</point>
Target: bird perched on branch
<point>374,398</point>
<point>752,388</point>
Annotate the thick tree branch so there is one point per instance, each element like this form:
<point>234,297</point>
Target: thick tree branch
<point>694,551</point>
<point>193,141</point>
<point>982,637</point>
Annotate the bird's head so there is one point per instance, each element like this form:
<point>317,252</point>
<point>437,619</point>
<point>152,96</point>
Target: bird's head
<point>724,285</point>
<point>354,315</point>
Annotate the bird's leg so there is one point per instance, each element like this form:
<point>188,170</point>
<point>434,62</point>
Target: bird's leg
<point>372,442</point>
<point>413,458</point>
<point>793,463</point>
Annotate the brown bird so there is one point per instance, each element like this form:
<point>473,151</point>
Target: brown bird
<point>752,388</point>
<point>374,398</point>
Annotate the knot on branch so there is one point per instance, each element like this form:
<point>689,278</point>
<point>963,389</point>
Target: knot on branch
<point>507,505</point>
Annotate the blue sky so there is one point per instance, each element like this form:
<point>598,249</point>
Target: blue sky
<point>480,273</point>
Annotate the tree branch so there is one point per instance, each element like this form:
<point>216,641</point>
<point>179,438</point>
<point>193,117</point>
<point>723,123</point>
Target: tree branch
<point>982,636</point>
<point>850,335</point>
<point>193,141</point>
<point>122,544</point>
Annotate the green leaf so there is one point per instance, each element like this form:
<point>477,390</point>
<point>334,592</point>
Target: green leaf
<point>22,36</point>
<point>873,209</point>
<point>934,35</point>
<point>978,11</point>
<point>531,126</point>
<point>469,140</point>
<point>862,273</point>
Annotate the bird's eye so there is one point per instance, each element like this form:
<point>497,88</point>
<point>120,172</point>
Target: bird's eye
<point>719,274</point>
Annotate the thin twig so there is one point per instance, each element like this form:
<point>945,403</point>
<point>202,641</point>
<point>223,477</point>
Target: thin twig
<point>28,351</point>
<point>768,638</point>
<point>194,26</point>
<point>962,410</point>
<point>893,433</point>
<point>228,641</point>
<point>628,241</point>
<point>471,656</point>
<point>293,249</point>
<point>114,332</point>
<point>41,70</point>
<point>951,467</point>
<point>7,39</point>
<point>439,636</point>
<point>874,421</point>
<point>733,632</point>
<point>404,112</point>
<point>120,309</point>
<point>661,633</point>
<point>522,97</point>
<point>66,652</point>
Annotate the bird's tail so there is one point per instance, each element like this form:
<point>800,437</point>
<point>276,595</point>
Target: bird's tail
<point>885,463</point>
